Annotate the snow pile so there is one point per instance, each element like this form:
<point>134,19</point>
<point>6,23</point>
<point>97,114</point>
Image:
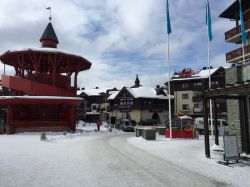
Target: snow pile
<point>83,130</point>
<point>245,155</point>
<point>216,148</point>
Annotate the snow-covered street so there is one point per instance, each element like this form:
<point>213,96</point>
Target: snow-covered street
<point>110,159</point>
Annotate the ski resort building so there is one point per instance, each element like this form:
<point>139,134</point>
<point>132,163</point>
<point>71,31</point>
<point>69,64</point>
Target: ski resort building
<point>140,103</point>
<point>237,79</point>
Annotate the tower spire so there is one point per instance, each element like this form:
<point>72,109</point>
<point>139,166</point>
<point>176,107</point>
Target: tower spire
<point>49,38</point>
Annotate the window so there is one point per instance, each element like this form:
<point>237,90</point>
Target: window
<point>215,83</point>
<point>185,107</point>
<point>185,96</point>
<point>184,85</point>
<point>196,105</point>
<point>197,84</point>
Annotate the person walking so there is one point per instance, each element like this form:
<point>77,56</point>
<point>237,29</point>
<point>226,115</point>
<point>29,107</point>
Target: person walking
<point>98,123</point>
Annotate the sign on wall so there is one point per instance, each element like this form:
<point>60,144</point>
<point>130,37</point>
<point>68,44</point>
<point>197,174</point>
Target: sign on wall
<point>125,103</point>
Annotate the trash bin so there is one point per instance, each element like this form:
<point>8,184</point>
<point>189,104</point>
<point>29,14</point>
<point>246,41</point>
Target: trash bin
<point>148,134</point>
<point>138,132</point>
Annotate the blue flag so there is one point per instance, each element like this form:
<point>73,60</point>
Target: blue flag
<point>208,21</point>
<point>242,27</point>
<point>168,19</point>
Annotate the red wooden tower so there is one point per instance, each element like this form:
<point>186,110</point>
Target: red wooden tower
<point>42,96</point>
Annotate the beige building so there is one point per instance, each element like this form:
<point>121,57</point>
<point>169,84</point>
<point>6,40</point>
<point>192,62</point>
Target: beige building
<point>187,86</point>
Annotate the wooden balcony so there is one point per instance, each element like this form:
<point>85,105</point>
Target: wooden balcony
<point>235,56</point>
<point>234,35</point>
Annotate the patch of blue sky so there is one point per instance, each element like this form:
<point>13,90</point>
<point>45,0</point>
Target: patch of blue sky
<point>94,31</point>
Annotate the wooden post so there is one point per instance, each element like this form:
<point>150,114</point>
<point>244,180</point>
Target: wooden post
<point>75,81</point>
<point>216,132</point>
<point>244,125</point>
<point>206,133</point>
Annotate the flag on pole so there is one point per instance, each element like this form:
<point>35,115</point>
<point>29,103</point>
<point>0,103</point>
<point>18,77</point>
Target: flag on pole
<point>48,8</point>
<point>208,21</point>
<point>242,27</point>
<point>168,19</point>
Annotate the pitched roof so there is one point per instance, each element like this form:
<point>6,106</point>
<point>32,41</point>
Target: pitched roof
<point>49,34</point>
<point>143,92</point>
<point>92,92</point>
<point>199,74</point>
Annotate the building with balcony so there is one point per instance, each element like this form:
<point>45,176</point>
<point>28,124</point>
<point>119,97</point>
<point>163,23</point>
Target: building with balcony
<point>187,87</point>
<point>234,34</point>
<point>237,79</point>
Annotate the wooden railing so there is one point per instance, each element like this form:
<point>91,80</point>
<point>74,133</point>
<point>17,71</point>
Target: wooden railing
<point>236,30</point>
<point>237,53</point>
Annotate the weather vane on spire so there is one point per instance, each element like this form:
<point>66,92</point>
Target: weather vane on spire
<point>50,18</point>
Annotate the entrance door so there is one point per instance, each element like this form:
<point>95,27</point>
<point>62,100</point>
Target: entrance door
<point>3,119</point>
<point>156,117</point>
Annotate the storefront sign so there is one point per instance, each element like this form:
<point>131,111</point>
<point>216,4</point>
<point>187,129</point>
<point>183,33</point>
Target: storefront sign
<point>126,102</point>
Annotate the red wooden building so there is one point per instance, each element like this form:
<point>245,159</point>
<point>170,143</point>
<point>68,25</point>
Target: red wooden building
<point>42,97</point>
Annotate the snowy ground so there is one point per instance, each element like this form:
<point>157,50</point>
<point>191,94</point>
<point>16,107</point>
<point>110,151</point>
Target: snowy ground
<point>25,160</point>
<point>190,154</point>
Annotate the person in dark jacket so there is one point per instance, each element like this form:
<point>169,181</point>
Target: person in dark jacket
<point>98,123</point>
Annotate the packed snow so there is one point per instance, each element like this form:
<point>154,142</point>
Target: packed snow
<point>190,154</point>
<point>19,154</point>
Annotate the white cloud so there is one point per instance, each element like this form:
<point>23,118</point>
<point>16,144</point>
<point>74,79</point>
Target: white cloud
<point>120,38</point>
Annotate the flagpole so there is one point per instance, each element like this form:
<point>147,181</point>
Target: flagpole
<point>209,38</point>
<point>169,99</point>
<point>209,85</point>
<point>243,52</point>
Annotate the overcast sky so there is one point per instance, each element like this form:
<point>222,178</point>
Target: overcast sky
<point>121,38</point>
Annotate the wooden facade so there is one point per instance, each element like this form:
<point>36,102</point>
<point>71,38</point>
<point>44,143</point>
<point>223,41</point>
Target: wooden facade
<point>139,108</point>
<point>41,97</point>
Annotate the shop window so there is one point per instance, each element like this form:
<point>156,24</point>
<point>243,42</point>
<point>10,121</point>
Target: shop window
<point>185,107</point>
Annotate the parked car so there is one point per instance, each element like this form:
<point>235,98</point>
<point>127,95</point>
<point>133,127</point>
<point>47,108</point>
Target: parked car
<point>199,124</point>
<point>126,125</point>
<point>148,122</point>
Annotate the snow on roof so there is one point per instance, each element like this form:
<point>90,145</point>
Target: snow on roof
<point>45,49</point>
<point>205,73</point>
<point>113,95</point>
<point>40,97</point>
<point>92,92</point>
<point>146,92</point>
<point>202,74</point>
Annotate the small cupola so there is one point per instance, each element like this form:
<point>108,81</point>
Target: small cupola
<point>137,83</point>
<point>49,38</point>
